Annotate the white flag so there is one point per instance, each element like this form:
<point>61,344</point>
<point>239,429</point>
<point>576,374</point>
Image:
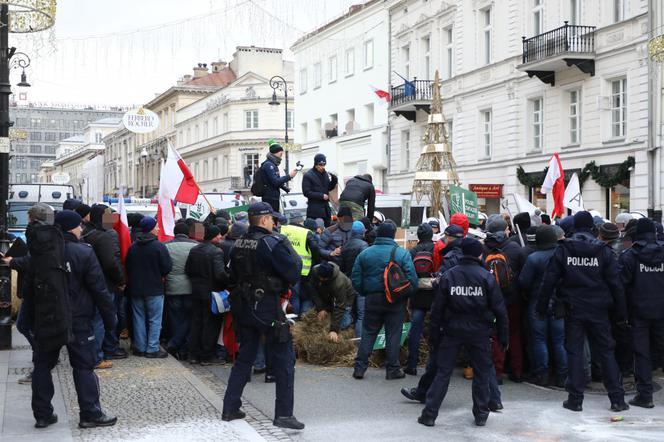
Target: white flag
<point>523,205</point>
<point>573,199</point>
<point>442,221</point>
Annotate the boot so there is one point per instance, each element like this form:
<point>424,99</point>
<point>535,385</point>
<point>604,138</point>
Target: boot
<point>640,401</point>
<point>288,422</point>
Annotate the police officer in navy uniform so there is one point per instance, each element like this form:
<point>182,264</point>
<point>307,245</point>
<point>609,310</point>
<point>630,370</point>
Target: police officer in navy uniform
<point>585,272</point>
<point>468,302</point>
<point>642,273</point>
<point>262,268</point>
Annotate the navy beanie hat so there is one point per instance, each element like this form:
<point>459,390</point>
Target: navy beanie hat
<point>471,247</point>
<point>147,224</point>
<point>319,158</point>
<point>67,220</point>
<point>386,230</point>
<point>583,220</point>
<point>325,270</point>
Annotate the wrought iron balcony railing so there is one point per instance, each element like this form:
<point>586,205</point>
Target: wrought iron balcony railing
<point>564,40</point>
<point>415,90</point>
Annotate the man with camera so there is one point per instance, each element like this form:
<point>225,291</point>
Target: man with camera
<point>271,183</point>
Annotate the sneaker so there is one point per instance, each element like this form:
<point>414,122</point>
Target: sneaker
<point>410,371</point>
<point>270,379</point>
<point>101,421</point>
<point>138,353</point>
<point>619,406</point>
<point>233,415</point>
<point>104,364</point>
<point>159,354</point>
<point>118,354</point>
<point>638,401</point>
<point>45,422</point>
<point>426,421</point>
<point>468,373</point>
<point>27,379</point>
<point>288,422</point>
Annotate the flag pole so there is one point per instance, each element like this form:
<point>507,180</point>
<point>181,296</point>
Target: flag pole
<point>206,200</point>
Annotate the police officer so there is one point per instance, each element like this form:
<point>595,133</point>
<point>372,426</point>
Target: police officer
<point>262,269</point>
<point>642,272</point>
<point>585,272</point>
<point>87,292</point>
<point>468,302</point>
<point>306,246</point>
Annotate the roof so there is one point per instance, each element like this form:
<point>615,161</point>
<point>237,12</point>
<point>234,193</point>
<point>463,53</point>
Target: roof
<point>108,120</point>
<point>74,139</point>
<point>222,78</point>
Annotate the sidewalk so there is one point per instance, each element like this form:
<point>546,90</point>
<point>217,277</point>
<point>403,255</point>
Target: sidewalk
<point>154,400</point>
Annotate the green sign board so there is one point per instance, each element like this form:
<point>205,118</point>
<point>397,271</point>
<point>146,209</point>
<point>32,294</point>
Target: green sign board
<point>464,201</point>
<point>233,210</point>
<point>380,339</point>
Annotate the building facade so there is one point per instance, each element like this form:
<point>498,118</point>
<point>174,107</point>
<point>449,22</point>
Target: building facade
<point>39,128</point>
<point>576,84</point>
<point>119,163</point>
<point>338,112</point>
<point>223,137</point>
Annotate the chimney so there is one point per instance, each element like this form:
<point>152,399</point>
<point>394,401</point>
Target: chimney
<point>218,66</point>
<point>201,70</point>
<point>186,79</point>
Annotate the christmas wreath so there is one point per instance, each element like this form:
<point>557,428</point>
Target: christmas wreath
<point>535,179</point>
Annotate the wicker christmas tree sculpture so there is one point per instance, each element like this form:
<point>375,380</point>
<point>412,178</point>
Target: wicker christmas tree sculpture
<point>436,169</point>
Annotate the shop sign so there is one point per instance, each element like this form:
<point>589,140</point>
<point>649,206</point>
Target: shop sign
<point>487,190</point>
<point>140,121</point>
<point>60,178</point>
<point>464,201</point>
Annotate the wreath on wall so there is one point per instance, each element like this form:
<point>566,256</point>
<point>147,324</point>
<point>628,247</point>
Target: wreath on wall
<point>591,169</point>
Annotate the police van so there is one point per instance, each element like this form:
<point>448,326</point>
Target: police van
<point>24,196</point>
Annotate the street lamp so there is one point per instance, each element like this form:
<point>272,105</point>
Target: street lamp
<point>22,61</point>
<point>144,157</point>
<point>278,82</point>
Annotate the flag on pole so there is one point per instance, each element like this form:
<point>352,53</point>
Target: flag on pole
<point>554,183</point>
<point>175,184</point>
<point>121,226</point>
<point>523,205</point>
<point>573,199</point>
<point>441,220</point>
<point>384,96</point>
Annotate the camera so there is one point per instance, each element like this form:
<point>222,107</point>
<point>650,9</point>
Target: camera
<point>299,166</point>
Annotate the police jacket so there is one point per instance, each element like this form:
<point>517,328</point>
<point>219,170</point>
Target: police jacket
<point>314,186</point>
<point>359,190</point>
<point>349,252</point>
<point>370,265</point>
<point>468,301</point>
<point>423,298</point>
<point>334,236</point>
<point>586,274</point>
<point>514,253</point>
<point>107,249</point>
<point>206,270</point>
<point>87,290</point>
<point>147,263</point>
<point>273,182</point>
<point>177,281</point>
<point>333,295</point>
<point>642,273</point>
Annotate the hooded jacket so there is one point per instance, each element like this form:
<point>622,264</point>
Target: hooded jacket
<point>147,263</point>
<point>177,281</point>
<point>333,295</point>
<point>642,274</point>
<point>359,190</point>
<point>349,252</point>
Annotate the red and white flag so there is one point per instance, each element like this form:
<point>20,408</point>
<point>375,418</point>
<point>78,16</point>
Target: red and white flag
<point>554,183</point>
<point>384,96</point>
<point>175,184</point>
<point>121,226</point>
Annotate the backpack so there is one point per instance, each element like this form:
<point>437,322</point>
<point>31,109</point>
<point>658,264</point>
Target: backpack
<point>498,264</point>
<point>49,288</point>
<point>397,285</point>
<point>424,267</point>
<point>258,183</point>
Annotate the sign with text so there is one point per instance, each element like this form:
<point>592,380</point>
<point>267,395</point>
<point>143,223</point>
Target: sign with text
<point>464,201</point>
<point>140,121</point>
<point>487,190</point>
<point>60,178</point>
<point>380,339</point>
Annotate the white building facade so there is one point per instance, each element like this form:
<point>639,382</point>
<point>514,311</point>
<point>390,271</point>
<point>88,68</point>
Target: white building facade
<point>577,85</point>
<point>338,112</point>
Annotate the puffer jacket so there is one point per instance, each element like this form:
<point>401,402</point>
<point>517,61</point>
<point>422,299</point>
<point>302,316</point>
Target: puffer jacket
<point>333,295</point>
<point>334,236</point>
<point>359,190</point>
<point>206,270</point>
<point>349,252</point>
<point>177,281</point>
<point>106,246</point>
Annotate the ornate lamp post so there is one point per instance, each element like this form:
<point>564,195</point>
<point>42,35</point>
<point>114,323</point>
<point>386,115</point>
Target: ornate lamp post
<point>278,82</point>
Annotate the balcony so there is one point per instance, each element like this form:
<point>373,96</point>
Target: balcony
<point>408,98</point>
<point>553,51</point>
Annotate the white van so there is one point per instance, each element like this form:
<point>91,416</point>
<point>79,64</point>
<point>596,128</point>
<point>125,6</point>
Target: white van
<point>24,196</point>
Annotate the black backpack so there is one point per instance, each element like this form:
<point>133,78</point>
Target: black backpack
<point>258,183</point>
<point>49,288</point>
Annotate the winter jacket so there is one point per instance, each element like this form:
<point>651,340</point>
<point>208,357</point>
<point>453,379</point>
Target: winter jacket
<point>370,265</point>
<point>226,245</point>
<point>452,255</point>
<point>617,247</point>
<point>314,186</point>
<point>334,236</point>
<point>497,242</point>
<point>532,273</point>
<point>355,245</point>
<point>106,246</point>
<point>333,295</point>
<point>467,302</point>
<point>440,249</point>
<point>177,281</point>
<point>206,270</point>
<point>147,263</point>
<point>586,273</point>
<point>359,190</point>
<point>642,274</point>
<point>273,182</point>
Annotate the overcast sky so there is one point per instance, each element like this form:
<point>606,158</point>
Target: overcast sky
<point>125,51</point>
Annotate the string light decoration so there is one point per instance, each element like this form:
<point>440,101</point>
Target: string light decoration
<point>30,15</point>
<point>656,49</point>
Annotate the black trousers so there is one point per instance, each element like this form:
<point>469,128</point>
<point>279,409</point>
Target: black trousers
<point>82,354</point>
<point>203,331</point>
<point>273,202</point>
<point>642,330</point>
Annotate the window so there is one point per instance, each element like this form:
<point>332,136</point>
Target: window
<point>289,119</point>
<point>538,16</point>
<point>618,108</point>
<point>574,117</point>
<point>189,135</point>
<point>574,12</point>
<point>50,136</point>
<point>304,129</point>
<point>36,148</point>
<point>449,53</point>
<point>303,81</point>
<point>215,126</point>
<point>426,57</point>
<point>332,69</point>
<point>405,58</point>
<point>225,122</point>
<point>215,168</point>
<point>405,150</point>
<point>251,165</point>
<point>205,170</point>
<point>486,18</point>
<point>350,61</point>
<point>369,115</point>
<point>205,130</point>
<point>619,10</point>
<point>368,54</point>
<point>225,165</point>
<point>98,137</point>
<point>251,119</point>
<point>537,112</point>
<point>317,75</point>
<point>450,134</point>
<point>486,132</point>
<point>35,136</point>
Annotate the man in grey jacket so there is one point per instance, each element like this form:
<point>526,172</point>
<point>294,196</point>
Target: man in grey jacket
<point>178,292</point>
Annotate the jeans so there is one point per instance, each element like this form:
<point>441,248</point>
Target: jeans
<point>107,341</point>
<point>543,330</point>
<point>380,313</point>
<point>346,319</point>
<point>416,329</point>
<point>178,308</point>
<point>147,312</point>
<point>360,302</point>
<point>23,322</point>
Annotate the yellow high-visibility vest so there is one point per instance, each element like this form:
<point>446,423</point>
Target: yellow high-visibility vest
<point>298,238</point>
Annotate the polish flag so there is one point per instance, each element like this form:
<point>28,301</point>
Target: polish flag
<point>554,183</point>
<point>121,226</point>
<point>175,184</point>
<point>381,94</point>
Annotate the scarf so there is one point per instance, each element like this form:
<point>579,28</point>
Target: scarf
<point>275,159</point>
